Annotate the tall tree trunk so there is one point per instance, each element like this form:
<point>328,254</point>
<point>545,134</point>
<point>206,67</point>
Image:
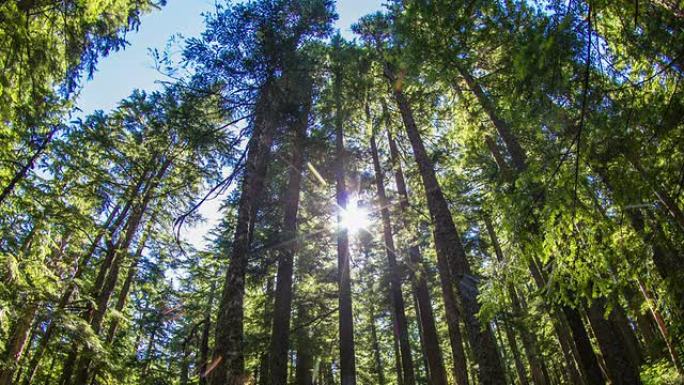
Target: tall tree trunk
<point>397,298</point>
<point>433,352</point>
<point>377,359</point>
<point>128,282</point>
<point>529,343</point>
<point>16,344</point>
<point>517,360</point>
<point>421,336</point>
<point>280,337</point>
<point>346,326</point>
<point>228,352</point>
<point>585,356</point>
<point>204,342</point>
<point>24,170</point>
<point>105,292</point>
<point>450,251</point>
<point>263,371</point>
<point>620,369</point>
<point>662,327</point>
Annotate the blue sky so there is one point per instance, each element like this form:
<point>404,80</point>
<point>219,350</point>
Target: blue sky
<point>120,73</point>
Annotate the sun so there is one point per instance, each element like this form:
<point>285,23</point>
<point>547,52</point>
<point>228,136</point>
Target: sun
<point>354,218</point>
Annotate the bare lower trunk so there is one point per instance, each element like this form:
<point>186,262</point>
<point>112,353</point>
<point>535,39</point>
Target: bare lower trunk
<point>396,296</point>
<point>280,337</point>
<point>346,326</point>
<point>433,352</point>
<point>15,346</point>
<point>620,368</point>
<point>451,252</point>
<point>228,359</point>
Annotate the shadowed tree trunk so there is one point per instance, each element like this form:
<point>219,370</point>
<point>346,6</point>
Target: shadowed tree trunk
<point>16,344</point>
<point>228,360</point>
<point>433,352</point>
<point>280,337</point>
<point>346,326</point>
<point>450,252</point>
<point>204,342</point>
<point>585,357</point>
<point>120,250</point>
<point>396,296</point>
<point>529,343</point>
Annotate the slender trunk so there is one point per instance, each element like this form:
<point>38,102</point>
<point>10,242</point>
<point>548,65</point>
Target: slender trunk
<point>502,348</point>
<point>665,199</point>
<point>346,326</point>
<point>15,346</point>
<point>529,344</point>
<point>265,362</point>
<point>228,353</point>
<point>24,170</point>
<point>451,252</point>
<point>513,344</point>
<point>204,343</point>
<point>662,327</point>
<point>128,282</point>
<point>377,359</point>
<point>433,352</point>
<point>421,336</point>
<point>396,296</point>
<point>280,337</point>
<point>105,292</point>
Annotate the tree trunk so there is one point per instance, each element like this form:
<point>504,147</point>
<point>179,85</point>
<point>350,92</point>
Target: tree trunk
<point>513,344</point>
<point>421,336</point>
<point>377,359</point>
<point>450,252</point>
<point>620,369</point>
<point>662,327</point>
<point>23,171</point>
<point>128,282</point>
<point>263,371</point>
<point>105,292</point>
<point>204,342</point>
<point>280,337</point>
<point>397,298</point>
<point>228,353</point>
<point>15,346</point>
<point>433,351</point>
<point>529,343</point>
<point>346,326</point>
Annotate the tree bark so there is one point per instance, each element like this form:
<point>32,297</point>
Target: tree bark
<point>377,359</point>
<point>15,346</point>
<point>450,252</point>
<point>280,337</point>
<point>620,369</point>
<point>228,353</point>
<point>204,342</point>
<point>346,326</point>
<point>397,298</point>
<point>433,351</point>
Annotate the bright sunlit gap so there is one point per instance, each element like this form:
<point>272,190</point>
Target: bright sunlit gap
<point>354,218</point>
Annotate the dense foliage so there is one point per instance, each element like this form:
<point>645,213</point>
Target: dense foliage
<point>469,192</point>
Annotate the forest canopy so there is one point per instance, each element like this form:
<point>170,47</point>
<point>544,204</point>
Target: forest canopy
<point>464,192</point>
